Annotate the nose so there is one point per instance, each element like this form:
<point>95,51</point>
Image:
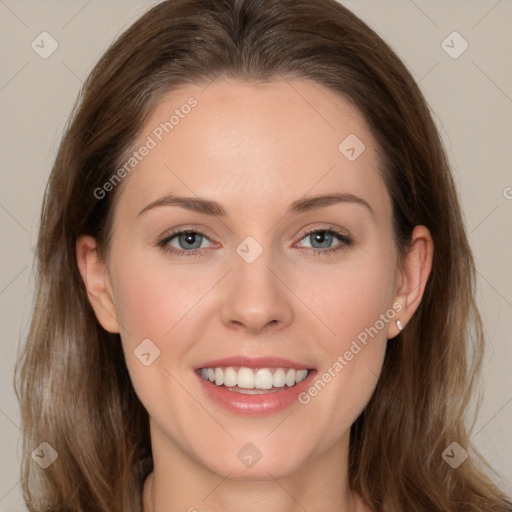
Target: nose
<point>256,298</point>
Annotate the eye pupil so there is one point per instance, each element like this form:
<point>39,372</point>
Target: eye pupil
<point>190,239</point>
<point>322,237</point>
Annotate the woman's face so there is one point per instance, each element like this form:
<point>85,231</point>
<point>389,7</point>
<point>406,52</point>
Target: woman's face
<point>269,278</point>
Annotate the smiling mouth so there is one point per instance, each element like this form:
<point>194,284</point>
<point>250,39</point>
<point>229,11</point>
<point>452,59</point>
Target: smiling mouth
<point>254,380</point>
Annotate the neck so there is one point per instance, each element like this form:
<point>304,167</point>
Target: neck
<point>153,502</point>
<point>181,484</point>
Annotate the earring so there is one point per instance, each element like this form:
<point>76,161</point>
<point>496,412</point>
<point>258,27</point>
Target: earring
<point>399,325</point>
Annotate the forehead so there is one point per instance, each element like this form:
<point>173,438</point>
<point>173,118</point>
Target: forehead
<point>244,144</point>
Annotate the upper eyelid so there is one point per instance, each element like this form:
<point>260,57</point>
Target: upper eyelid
<point>175,232</point>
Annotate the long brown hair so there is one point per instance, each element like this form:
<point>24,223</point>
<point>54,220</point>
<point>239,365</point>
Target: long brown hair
<point>72,381</point>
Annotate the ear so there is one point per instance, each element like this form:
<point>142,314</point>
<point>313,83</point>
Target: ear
<point>97,282</point>
<point>412,277</point>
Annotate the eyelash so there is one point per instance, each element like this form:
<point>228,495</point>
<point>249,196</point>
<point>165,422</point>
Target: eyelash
<point>346,242</point>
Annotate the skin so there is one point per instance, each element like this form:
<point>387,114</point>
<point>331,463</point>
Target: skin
<point>254,149</point>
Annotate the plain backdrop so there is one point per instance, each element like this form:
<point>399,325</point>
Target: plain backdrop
<point>470,94</point>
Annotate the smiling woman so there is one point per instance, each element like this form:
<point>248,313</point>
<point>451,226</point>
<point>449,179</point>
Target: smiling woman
<point>272,307</point>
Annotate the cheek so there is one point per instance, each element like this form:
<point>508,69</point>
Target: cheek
<point>152,297</point>
<point>355,306</point>
<point>349,298</point>
<point>152,303</point>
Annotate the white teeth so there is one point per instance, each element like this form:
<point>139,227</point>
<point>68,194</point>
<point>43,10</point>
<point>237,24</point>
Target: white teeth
<point>279,378</point>
<point>301,375</point>
<point>219,377</point>
<point>245,378</point>
<point>290,377</point>
<point>263,379</point>
<point>230,376</point>
<point>249,378</point>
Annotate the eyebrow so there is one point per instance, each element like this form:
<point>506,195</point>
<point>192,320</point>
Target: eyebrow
<point>210,207</point>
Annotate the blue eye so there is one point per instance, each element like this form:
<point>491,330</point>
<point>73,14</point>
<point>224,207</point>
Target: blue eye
<point>321,241</point>
<point>190,242</point>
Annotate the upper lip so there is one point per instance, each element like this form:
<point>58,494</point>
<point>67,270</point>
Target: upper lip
<point>254,362</point>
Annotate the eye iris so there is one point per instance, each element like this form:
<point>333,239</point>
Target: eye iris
<point>321,237</point>
<point>193,239</point>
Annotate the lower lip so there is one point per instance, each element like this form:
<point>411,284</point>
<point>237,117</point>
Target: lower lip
<point>255,405</point>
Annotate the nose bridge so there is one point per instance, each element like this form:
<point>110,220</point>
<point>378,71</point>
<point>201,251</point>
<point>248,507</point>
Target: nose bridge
<point>255,296</point>
<point>251,270</point>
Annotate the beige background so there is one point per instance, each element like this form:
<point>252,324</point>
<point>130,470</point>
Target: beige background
<point>471,97</point>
